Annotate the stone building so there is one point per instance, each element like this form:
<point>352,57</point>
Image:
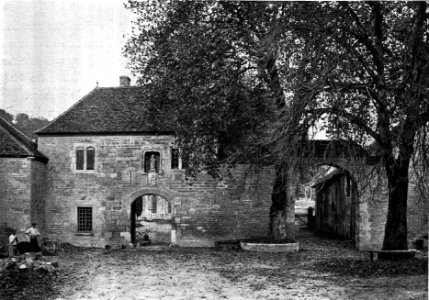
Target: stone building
<point>112,174</point>
<point>22,178</point>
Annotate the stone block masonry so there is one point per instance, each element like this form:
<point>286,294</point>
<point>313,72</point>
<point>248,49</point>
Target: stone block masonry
<point>204,209</point>
<point>21,195</point>
<point>372,212</point>
<point>38,193</point>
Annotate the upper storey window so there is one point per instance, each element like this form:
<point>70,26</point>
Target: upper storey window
<point>174,158</point>
<point>85,158</point>
<point>80,155</point>
<point>90,158</point>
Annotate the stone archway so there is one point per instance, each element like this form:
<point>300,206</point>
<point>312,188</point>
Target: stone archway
<point>337,203</point>
<point>151,214</point>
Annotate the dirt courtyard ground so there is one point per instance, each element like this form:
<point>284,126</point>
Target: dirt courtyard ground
<point>322,269</point>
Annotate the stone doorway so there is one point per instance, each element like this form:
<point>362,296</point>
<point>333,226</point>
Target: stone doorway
<point>336,202</point>
<point>151,216</point>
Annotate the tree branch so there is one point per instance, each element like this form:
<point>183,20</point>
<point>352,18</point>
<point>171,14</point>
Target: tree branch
<point>362,36</point>
<point>378,32</point>
<point>356,120</point>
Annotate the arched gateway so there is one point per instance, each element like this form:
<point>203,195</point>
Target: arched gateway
<point>151,213</point>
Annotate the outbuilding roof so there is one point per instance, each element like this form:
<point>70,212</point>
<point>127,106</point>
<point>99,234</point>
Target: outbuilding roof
<point>13,143</point>
<point>109,111</point>
<point>328,178</point>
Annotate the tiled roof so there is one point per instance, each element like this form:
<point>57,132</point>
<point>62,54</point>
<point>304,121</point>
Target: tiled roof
<point>109,110</point>
<point>14,143</point>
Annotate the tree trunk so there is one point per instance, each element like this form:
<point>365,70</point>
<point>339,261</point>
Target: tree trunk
<point>395,233</point>
<point>278,227</point>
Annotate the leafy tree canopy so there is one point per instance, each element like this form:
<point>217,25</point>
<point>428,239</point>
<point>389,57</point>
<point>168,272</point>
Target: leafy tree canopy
<point>242,71</point>
<point>199,65</point>
<point>5,115</point>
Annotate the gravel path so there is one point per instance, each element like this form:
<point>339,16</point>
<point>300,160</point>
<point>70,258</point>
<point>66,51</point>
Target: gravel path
<point>323,269</point>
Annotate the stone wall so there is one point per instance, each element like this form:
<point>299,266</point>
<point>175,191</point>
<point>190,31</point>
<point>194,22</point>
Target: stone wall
<point>15,196</point>
<point>204,209</point>
<point>373,203</point>
<point>373,198</point>
<point>38,191</point>
<point>418,209</point>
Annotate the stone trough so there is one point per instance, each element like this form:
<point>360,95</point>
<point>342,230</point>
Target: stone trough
<point>269,247</point>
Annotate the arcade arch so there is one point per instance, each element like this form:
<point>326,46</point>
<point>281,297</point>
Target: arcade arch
<point>332,192</point>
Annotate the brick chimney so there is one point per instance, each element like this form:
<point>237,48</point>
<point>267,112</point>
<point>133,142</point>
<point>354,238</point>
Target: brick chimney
<point>124,81</point>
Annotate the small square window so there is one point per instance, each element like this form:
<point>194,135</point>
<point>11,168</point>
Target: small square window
<point>84,219</point>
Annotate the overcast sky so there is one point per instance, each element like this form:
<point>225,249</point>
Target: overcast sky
<point>53,52</point>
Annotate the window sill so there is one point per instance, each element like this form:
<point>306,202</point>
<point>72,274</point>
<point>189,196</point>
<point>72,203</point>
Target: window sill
<point>84,171</point>
<point>84,234</point>
<point>160,172</point>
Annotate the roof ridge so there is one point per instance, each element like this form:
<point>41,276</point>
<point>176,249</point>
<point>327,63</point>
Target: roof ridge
<point>120,87</point>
